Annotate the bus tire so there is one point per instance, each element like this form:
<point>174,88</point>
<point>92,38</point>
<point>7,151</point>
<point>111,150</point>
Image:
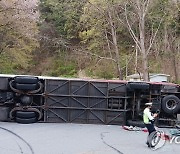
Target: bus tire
<point>138,85</point>
<point>171,104</point>
<point>26,79</point>
<point>25,114</point>
<point>26,120</point>
<point>23,86</point>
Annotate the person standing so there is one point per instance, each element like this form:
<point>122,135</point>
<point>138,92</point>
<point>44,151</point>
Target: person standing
<point>148,119</point>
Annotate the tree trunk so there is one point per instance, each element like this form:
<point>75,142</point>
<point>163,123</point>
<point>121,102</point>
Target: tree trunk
<point>114,38</point>
<point>174,61</point>
<point>175,68</point>
<point>109,50</point>
<point>142,46</point>
<point>145,68</point>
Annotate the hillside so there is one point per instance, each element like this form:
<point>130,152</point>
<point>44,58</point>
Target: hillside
<point>96,39</point>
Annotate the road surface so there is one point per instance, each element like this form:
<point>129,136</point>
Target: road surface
<point>63,138</point>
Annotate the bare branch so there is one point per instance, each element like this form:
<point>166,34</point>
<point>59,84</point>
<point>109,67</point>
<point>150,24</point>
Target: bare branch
<point>138,7</point>
<point>134,5</point>
<point>119,19</point>
<point>152,34</point>
<point>130,59</point>
<point>153,38</point>
<point>94,55</point>
<point>131,31</point>
<point>98,8</point>
<point>111,42</point>
<point>101,11</point>
<point>146,6</point>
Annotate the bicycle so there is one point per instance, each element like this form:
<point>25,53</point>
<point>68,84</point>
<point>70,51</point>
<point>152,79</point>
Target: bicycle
<point>154,138</point>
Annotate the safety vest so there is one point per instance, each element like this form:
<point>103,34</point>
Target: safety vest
<point>147,116</point>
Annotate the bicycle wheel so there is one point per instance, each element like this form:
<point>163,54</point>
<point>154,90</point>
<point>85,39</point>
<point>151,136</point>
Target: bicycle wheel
<point>154,138</point>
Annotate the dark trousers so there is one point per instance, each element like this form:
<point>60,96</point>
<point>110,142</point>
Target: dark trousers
<point>150,128</point>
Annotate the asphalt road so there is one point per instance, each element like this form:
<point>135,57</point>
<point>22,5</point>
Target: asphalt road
<point>58,138</point>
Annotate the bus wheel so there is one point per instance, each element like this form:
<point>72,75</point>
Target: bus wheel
<point>171,104</point>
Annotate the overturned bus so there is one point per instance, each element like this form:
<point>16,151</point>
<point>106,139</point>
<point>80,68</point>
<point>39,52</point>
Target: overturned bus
<point>29,99</point>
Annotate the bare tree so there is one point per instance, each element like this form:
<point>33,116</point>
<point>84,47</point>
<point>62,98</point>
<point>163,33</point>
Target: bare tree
<point>110,33</point>
<point>115,42</point>
<point>139,11</point>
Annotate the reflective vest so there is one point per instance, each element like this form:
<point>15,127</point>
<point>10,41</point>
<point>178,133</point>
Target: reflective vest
<point>147,116</point>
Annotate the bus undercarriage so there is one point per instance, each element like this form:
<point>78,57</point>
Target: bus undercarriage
<point>29,99</point>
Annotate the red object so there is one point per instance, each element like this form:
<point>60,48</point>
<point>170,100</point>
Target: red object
<point>165,137</point>
<point>126,127</point>
<point>144,130</point>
